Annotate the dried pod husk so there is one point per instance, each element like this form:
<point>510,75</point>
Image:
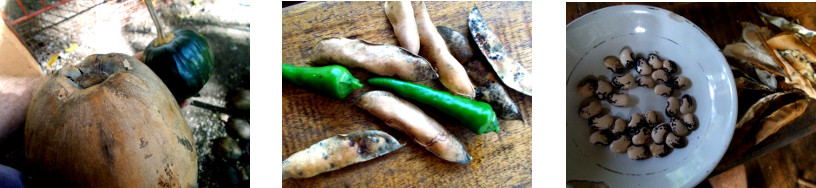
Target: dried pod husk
<point>753,37</point>
<point>797,80</point>
<point>337,152</point>
<point>779,118</point>
<point>495,95</point>
<point>487,85</point>
<point>401,16</point>
<point>409,119</point>
<point>789,41</point>
<point>767,78</point>
<point>746,84</point>
<point>458,45</point>
<point>798,61</point>
<point>377,58</point>
<point>511,72</point>
<point>756,58</point>
<point>452,74</point>
<point>772,101</point>
<point>744,69</point>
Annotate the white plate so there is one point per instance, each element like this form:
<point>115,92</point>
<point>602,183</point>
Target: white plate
<point>605,32</point>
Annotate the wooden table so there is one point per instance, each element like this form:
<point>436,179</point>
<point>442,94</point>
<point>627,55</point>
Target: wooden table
<point>499,159</point>
<point>773,162</point>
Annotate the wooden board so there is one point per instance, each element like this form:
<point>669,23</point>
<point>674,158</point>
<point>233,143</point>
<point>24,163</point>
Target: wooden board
<point>502,159</point>
<point>16,61</point>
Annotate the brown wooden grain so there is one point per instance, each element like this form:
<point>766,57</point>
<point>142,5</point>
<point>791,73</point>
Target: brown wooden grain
<point>502,159</point>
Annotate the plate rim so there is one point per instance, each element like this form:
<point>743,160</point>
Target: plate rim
<point>730,80</point>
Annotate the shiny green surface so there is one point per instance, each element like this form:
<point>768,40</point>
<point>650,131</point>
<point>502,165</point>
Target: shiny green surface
<point>475,115</point>
<point>332,81</point>
<point>184,64</point>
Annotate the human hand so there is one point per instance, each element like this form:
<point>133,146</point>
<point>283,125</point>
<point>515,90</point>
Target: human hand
<point>15,94</point>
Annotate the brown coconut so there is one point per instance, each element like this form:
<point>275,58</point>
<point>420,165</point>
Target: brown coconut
<point>108,122</point>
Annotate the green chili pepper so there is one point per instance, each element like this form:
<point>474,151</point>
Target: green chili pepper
<point>332,81</point>
<point>476,116</point>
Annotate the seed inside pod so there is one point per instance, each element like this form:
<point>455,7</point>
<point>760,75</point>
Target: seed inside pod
<point>642,136</point>
<point>678,127</point>
<point>613,64</point>
<point>590,108</point>
<point>624,81</point>
<point>672,107</point>
<point>659,133</point>
<point>663,90</point>
<point>643,67</point>
<point>675,141</point>
<point>636,121</point>
<point>669,66</point>
<point>618,99</point>
<point>690,121</point>
<point>603,89</point>
<point>655,62</point>
<point>652,118</point>
<point>619,126</point>
<point>587,87</point>
<point>601,122</point>
<point>686,104</point>
<point>660,75</point>
<point>637,152</point>
<point>600,138</point>
<point>620,144</point>
<point>659,150</point>
<point>627,58</point>
<point>678,82</point>
<point>645,81</point>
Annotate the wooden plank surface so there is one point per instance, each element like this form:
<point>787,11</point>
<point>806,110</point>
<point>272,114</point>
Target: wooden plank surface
<point>502,159</point>
<point>16,61</point>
